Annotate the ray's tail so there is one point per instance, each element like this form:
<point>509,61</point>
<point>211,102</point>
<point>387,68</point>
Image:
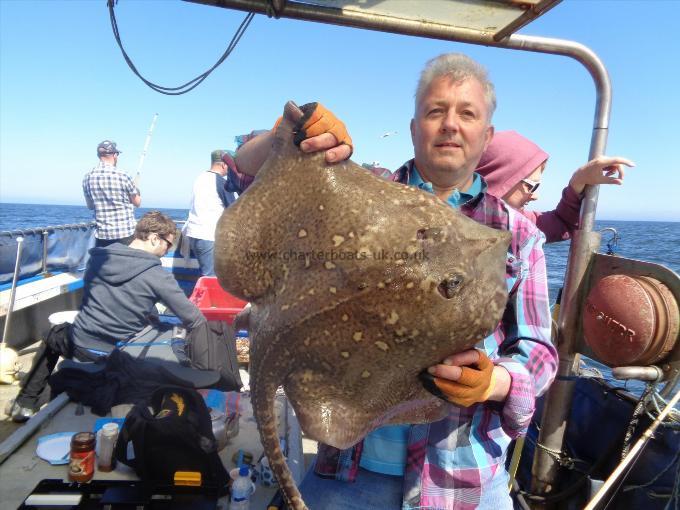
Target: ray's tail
<point>263,409</point>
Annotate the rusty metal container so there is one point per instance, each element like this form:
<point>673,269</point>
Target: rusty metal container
<point>630,320</point>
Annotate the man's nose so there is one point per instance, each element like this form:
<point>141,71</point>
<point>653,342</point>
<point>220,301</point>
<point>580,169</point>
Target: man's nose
<point>534,196</point>
<point>450,122</point>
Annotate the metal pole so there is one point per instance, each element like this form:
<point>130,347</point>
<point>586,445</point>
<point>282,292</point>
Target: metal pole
<point>12,293</point>
<point>45,233</point>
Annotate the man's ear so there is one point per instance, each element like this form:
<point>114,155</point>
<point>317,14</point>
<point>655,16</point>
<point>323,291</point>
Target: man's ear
<point>413,131</point>
<point>489,136</point>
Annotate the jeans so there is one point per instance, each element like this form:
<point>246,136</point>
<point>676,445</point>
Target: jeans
<point>370,491</point>
<point>204,251</point>
<point>375,491</point>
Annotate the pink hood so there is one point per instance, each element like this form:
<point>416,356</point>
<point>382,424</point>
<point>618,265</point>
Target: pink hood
<point>508,159</point>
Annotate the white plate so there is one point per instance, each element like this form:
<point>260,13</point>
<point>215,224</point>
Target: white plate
<point>55,448</point>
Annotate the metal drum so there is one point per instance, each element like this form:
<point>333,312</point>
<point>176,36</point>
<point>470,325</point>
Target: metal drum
<point>630,320</point>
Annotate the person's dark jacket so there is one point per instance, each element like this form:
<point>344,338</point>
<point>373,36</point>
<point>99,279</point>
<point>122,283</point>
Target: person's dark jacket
<point>121,287</point>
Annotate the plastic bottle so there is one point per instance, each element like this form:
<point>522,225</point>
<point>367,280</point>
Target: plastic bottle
<point>106,442</point>
<point>241,490</point>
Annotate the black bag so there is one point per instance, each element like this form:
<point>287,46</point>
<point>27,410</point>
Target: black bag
<point>212,346</point>
<point>176,436</point>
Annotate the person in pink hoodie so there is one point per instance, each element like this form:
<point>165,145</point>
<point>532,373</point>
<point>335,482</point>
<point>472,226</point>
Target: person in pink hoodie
<point>512,167</point>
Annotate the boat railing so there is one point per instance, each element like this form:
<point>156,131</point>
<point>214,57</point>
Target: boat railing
<point>45,249</point>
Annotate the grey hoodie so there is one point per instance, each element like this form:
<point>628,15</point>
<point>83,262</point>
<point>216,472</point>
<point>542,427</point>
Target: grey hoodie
<point>121,287</point>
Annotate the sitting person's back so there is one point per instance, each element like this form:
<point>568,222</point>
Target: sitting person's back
<point>122,285</point>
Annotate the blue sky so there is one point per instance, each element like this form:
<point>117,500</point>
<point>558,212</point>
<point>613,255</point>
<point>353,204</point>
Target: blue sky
<point>64,87</point>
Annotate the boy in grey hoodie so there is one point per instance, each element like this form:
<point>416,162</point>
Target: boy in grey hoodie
<point>121,286</point>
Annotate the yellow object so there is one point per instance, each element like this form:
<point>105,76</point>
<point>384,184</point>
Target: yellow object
<point>9,364</point>
<point>514,462</point>
<point>188,478</point>
<point>179,402</point>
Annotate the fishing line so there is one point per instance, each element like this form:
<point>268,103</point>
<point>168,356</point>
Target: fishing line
<point>191,84</point>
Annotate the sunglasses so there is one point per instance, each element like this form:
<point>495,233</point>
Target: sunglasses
<point>166,241</point>
<point>532,186</point>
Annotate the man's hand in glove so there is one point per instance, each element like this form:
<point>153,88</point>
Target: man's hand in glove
<point>320,130</point>
<point>467,378</point>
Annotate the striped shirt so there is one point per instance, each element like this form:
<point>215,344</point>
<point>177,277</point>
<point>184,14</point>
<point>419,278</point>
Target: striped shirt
<point>107,190</point>
<point>450,463</point>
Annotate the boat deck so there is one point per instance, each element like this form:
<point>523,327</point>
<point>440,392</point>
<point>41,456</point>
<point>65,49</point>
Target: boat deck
<point>23,469</point>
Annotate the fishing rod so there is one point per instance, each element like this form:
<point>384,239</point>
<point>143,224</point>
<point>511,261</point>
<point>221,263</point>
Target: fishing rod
<point>639,445</point>
<point>146,146</point>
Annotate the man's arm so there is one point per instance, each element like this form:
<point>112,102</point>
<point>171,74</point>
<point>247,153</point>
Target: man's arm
<point>86,192</point>
<point>132,190</point>
<point>327,133</point>
<point>169,293</point>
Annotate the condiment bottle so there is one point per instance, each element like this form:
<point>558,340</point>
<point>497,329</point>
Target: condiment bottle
<point>81,465</point>
<point>107,441</point>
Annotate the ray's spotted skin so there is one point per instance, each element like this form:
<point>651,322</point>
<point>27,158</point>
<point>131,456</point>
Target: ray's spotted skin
<point>357,285</point>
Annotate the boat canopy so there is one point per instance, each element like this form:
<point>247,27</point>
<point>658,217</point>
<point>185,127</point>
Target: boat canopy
<point>483,20</point>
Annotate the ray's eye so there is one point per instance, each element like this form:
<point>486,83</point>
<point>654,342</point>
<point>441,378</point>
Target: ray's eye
<point>433,233</point>
<point>450,286</point>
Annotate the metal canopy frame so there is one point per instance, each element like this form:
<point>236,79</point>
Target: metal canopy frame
<point>458,21</point>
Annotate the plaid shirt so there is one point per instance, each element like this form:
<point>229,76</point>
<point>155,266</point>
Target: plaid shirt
<point>451,462</point>
<point>107,190</point>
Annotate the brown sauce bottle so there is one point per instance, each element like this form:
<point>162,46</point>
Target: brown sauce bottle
<point>81,465</point>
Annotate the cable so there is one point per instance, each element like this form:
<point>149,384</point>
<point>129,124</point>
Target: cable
<point>191,84</point>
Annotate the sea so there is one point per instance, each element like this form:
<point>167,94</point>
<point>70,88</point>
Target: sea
<point>652,241</point>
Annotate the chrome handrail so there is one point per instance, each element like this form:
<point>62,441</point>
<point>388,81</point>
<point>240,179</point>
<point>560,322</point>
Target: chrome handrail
<point>48,229</point>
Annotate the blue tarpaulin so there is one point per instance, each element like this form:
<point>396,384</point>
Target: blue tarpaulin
<point>67,250</point>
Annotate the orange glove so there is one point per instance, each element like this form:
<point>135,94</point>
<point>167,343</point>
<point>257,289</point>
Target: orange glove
<point>318,120</point>
<point>475,384</point>
<point>276,124</point>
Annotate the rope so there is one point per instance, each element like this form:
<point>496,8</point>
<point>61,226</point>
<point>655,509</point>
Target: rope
<point>191,84</point>
<point>559,456</point>
<point>635,419</point>
<point>673,416</point>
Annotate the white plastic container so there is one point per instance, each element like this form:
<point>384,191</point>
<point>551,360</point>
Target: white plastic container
<point>241,489</point>
<point>106,442</point>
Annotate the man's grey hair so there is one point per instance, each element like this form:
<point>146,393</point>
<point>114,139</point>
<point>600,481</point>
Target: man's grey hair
<point>458,67</point>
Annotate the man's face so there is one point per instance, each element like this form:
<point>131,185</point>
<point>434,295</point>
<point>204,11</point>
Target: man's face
<point>161,244</point>
<point>450,130</point>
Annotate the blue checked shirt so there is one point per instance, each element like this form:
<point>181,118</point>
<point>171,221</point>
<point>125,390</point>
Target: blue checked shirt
<point>107,190</point>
